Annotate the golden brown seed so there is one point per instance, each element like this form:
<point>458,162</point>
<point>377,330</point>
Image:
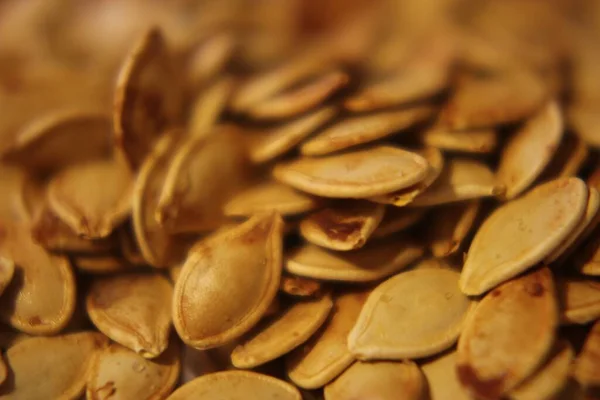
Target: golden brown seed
<point>221,294</point>
<point>523,232</point>
<point>397,219</point>
<point>209,58</point>
<point>580,300</point>
<point>354,131</point>
<point>299,286</point>
<point>375,261</point>
<point>443,380</point>
<point>450,225</point>
<point>208,107</point>
<point>414,314</point>
<point>473,141</point>
<point>101,263</point>
<point>129,248</point>
<point>301,99</point>
<point>58,365</point>
<point>14,185</point>
<point>530,150</point>
<point>326,354</point>
<point>281,334</point>
<point>569,158</point>
<point>147,97</point>
<point>345,226</point>
<point>378,380</point>
<point>118,373</point>
<point>587,364</point>
<point>508,335</point>
<point>133,310</point>
<point>359,174</point>
<point>236,385</point>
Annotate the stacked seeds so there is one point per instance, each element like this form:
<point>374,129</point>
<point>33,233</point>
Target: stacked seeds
<point>208,200</point>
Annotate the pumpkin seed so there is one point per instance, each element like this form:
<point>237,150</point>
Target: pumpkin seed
<point>358,130</point>
<point>382,380</point>
<point>101,263</point>
<point>580,300</point>
<point>7,271</point>
<point>301,99</point>
<point>120,373</point>
<point>298,286</point>
<point>346,226</point>
<point>475,141</point>
<point>497,323</point>
<point>208,107</point>
<point>569,158</point>
<point>326,355</point>
<point>286,331</point>
<point>236,385</point>
<point>443,380</point>
<point>257,259</point>
<point>210,57</point>
<point>359,174</point>
<point>396,220</point>
<point>523,232</point>
<point>587,364</point>
<point>450,225</point>
<point>133,310</point>
<point>375,261</point>
<point>585,122</point>
<point>411,315</point>
<point>58,365</point>
<point>539,136</point>
<point>14,186</point>
<point>147,98</point>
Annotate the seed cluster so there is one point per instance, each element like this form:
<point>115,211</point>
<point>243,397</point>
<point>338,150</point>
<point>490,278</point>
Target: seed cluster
<point>290,200</point>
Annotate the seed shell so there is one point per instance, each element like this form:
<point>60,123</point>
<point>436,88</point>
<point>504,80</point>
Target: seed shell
<point>443,380</point>
<point>586,369</point>
<point>580,300</point>
<point>480,141</point>
<point>397,219</point>
<point>450,225</point>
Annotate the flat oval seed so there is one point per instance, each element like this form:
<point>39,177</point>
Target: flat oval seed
<point>7,271</point>
<point>442,379</point>
<point>378,380</point>
<point>521,233</point>
<point>530,150</point>
<point>133,310</point>
<point>242,284</point>
<point>119,373</point>
<point>269,196</point>
<point>236,385</point>
<point>461,179</point>
<point>147,98</point>
<point>375,261</point>
<point>411,315</point>
<point>301,99</point>
<point>475,141</point>
<point>326,355</point>
<point>208,107</point>
<point>285,332</point>
<point>41,296</point>
<point>450,225</point>
<point>200,180</point>
<point>210,57</point>
<point>364,173</point>
<point>405,196</point>
<point>363,129</point>
<point>92,198</point>
<point>267,145</point>
<point>550,378</point>
<point>345,226</point>
<point>46,145</point>
<point>587,364</point>
<point>51,367</point>
<point>508,335</point>
<point>580,300</point>
<point>397,219</point>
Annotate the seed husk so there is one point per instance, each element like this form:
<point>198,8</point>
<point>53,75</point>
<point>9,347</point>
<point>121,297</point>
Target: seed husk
<point>358,130</point>
<point>236,385</point>
<point>569,158</point>
<point>148,97</point>
<point>266,145</point>
<point>301,99</point>
<point>41,296</point>
<point>345,226</point>
<point>200,180</point>
<point>479,141</point>
<point>359,174</point>
<point>92,198</point>
<point>267,196</point>
<point>208,107</point>
<point>14,186</point>
<point>133,310</point>
<point>51,367</point>
<point>101,263</point>
<point>381,380</point>
<point>299,286</point>
<point>529,150</point>
<point>375,261</point>
<point>443,380</point>
<point>397,219</point>
<point>588,262</point>
<point>523,232</point>
<point>210,57</point>
<point>586,369</point>
<point>462,179</point>
<point>326,354</point>
<point>450,225</point>
<point>424,309</point>
<point>286,331</point>
<point>46,145</point>
<point>550,378</point>
<point>7,271</point>
<point>119,373</point>
<point>128,246</point>
<point>242,303</point>
<point>497,323</point>
<point>580,300</point>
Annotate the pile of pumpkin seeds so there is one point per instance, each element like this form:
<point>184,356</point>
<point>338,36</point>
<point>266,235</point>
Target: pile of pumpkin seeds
<point>254,200</point>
